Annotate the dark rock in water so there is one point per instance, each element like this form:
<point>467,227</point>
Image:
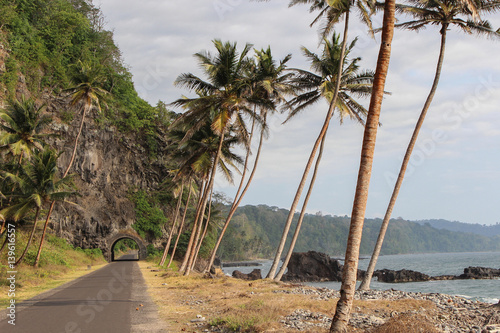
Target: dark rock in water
<point>404,275</point>
<point>479,273</point>
<point>256,274</point>
<point>314,266</point>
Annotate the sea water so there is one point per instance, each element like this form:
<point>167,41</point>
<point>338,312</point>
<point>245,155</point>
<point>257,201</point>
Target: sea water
<point>431,264</point>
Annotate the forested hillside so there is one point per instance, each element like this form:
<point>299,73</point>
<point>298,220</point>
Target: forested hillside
<point>256,231</point>
<point>475,228</point>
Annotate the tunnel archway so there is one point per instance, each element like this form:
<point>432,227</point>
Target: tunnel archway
<point>116,237</point>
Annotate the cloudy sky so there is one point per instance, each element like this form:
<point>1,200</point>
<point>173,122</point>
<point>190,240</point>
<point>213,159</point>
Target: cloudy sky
<point>455,171</point>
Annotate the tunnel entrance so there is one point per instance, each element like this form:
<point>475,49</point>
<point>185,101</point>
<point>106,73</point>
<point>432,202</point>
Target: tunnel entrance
<point>125,249</point>
<point>125,245</point>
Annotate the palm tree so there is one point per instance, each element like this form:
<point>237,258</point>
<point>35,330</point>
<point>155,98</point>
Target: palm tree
<point>38,185</point>
<point>270,84</point>
<point>221,100</point>
<point>322,85</point>
<point>196,156</point>
<point>349,273</point>
<point>89,93</point>
<point>177,192</point>
<point>445,14</point>
<point>22,130</point>
<point>332,11</point>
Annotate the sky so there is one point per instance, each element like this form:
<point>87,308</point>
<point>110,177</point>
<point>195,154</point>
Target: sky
<point>454,173</point>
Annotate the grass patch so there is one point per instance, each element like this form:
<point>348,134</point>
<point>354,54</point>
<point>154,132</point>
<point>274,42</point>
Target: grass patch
<point>59,263</point>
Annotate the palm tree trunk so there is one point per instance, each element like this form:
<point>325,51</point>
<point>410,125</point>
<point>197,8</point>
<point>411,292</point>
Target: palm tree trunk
<point>35,264</point>
<point>237,201</point>
<point>349,274</point>
<point>84,112</point>
<point>211,181</point>
<point>365,284</point>
<point>177,208</point>
<point>247,158</point>
<point>288,223</point>
<point>30,239</point>
<point>302,213</point>
<point>195,221</point>
<point>205,229</point>
<point>181,226</point>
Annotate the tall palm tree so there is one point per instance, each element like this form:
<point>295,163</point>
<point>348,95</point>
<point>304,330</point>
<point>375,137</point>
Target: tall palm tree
<point>196,156</point>
<point>88,92</point>
<point>270,84</point>
<point>222,99</point>
<point>331,11</point>
<point>22,130</point>
<point>38,185</point>
<point>349,273</point>
<point>444,13</point>
<point>322,86</point>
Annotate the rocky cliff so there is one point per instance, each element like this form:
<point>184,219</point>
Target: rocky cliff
<point>107,166</point>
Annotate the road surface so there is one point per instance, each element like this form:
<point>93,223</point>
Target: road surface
<point>105,301</point>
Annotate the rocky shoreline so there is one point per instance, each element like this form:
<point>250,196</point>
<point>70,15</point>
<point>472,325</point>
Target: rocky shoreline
<point>451,313</point>
<point>315,266</point>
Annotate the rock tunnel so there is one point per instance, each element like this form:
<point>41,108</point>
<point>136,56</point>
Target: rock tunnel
<point>117,236</point>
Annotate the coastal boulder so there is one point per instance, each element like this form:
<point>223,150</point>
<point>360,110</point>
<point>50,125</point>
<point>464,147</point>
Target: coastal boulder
<point>312,266</point>
<point>480,273</point>
<point>256,274</point>
<point>404,275</point>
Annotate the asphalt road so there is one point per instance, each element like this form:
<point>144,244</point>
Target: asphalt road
<point>105,301</point>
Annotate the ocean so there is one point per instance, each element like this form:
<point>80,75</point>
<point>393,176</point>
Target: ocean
<point>430,264</point>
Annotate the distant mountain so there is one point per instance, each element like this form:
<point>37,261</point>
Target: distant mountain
<point>256,230</point>
<point>474,228</point>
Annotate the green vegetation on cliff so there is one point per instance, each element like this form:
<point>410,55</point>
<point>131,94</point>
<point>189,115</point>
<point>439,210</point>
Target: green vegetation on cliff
<point>45,39</point>
<point>256,231</point>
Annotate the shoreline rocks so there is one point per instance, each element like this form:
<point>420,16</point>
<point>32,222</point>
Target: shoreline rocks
<point>452,314</point>
<point>315,266</point>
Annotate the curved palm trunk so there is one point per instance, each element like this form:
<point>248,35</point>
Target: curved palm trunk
<point>205,229</point>
<point>191,262</point>
<point>37,260</point>
<point>209,187</point>
<point>288,223</point>
<point>302,213</point>
<point>237,202</point>
<point>85,108</point>
<point>349,274</point>
<point>30,239</point>
<point>195,221</point>
<point>247,158</point>
<point>180,227</point>
<point>64,175</point>
<point>177,208</point>
<point>365,284</point>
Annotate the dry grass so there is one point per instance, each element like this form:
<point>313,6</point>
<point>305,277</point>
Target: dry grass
<point>408,323</point>
<point>245,306</point>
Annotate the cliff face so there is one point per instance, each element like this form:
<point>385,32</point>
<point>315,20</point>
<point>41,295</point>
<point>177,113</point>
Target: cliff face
<point>108,164</point>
